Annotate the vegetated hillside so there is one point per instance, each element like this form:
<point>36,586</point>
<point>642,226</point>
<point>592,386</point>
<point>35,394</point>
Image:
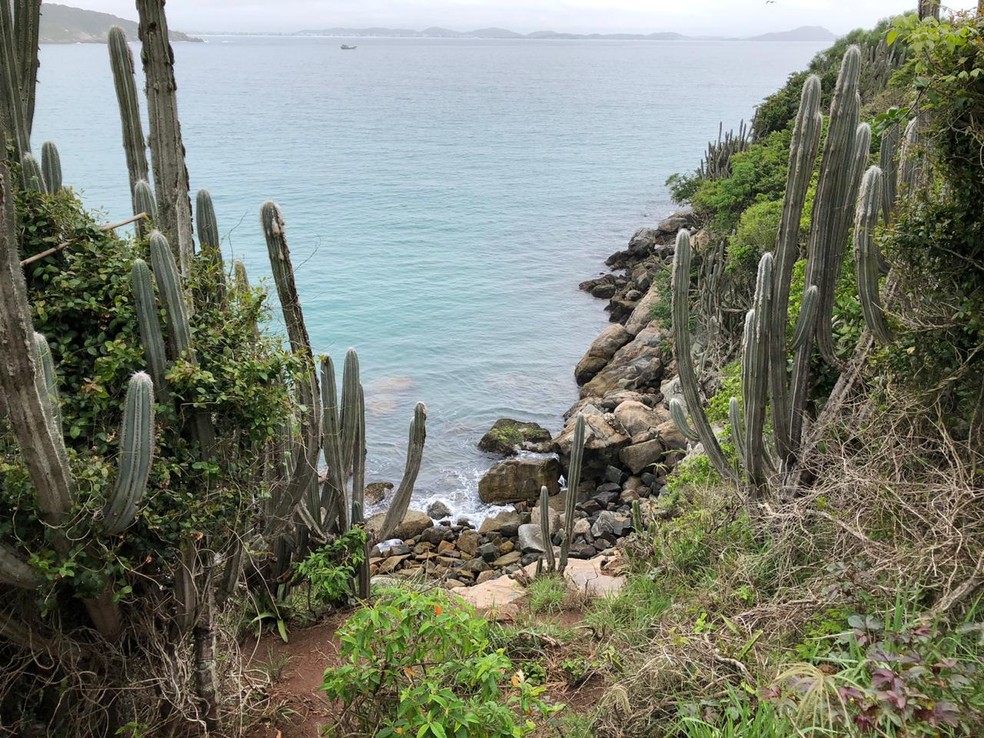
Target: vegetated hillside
<point>828,581</point>
<point>803,33</point>
<point>62,24</point>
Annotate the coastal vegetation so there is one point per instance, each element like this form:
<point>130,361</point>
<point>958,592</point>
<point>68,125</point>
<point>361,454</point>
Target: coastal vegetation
<point>174,476</point>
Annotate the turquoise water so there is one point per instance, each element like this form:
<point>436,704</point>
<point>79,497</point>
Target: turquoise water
<point>443,198</point>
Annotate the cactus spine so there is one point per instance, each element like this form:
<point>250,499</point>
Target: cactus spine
<point>548,549</point>
<point>136,455</point>
<point>134,143</point>
<point>51,167</point>
<point>688,377</point>
<point>166,147</point>
<point>573,481</point>
<point>867,256</point>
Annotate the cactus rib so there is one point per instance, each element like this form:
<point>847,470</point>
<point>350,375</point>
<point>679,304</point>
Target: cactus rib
<point>136,455</point>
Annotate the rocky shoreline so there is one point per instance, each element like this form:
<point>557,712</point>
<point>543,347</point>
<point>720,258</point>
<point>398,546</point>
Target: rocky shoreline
<point>626,380</point>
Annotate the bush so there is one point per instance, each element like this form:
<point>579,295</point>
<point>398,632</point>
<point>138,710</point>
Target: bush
<point>756,234</point>
<point>420,664</point>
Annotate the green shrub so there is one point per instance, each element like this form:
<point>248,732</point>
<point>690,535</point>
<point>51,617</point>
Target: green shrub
<point>332,568</point>
<point>420,664</point>
<point>756,234</point>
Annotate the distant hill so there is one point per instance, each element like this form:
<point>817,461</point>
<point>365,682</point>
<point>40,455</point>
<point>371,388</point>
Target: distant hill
<point>61,24</point>
<point>803,33</point>
<point>806,33</point>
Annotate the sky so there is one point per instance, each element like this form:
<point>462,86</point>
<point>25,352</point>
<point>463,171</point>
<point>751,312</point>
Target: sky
<point>692,17</point>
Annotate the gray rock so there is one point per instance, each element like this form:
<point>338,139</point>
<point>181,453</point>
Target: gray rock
<point>530,540</point>
<point>488,551</point>
<point>609,525</point>
<point>671,437</point>
<point>506,435</point>
<point>638,419</point>
<point>553,518</point>
<point>642,455</point>
<point>675,221</point>
<point>507,559</point>
<point>600,352</point>
<point>376,492</point>
<point>438,510</point>
<point>469,541</point>
<point>435,534</point>
<point>519,480</point>
<point>495,523</point>
<point>637,366</point>
<point>643,241</point>
<point>413,524</point>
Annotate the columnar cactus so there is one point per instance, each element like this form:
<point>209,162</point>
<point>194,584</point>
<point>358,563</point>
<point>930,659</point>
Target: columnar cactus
<point>305,470</point>
<point>415,453</point>
<point>548,549</point>
<point>888,156</point>
<point>166,147</point>
<point>31,174</point>
<point>144,202</point>
<point>172,293</point>
<point>51,167</point>
<point>867,256</point>
<point>134,143</point>
<point>208,240</point>
<point>911,168</point>
<point>135,457</point>
<point>148,318</point>
<point>755,378</point>
<point>573,480</point>
<point>685,366</point>
<point>27,25</point>
<point>13,115</point>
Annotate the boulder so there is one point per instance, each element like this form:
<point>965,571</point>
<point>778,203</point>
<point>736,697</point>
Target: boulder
<point>642,313</point>
<point>610,526</point>
<point>469,541</point>
<point>519,480</point>
<point>530,540</point>
<point>671,437</point>
<point>643,241</point>
<point>604,290</point>
<point>413,524</point>
<point>497,522</point>
<point>620,308</point>
<point>438,510</point>
<point>638,419</point>
<point>642,455</point>
<point>553,518</point>
<point>636,366</point>
<point>600,352</point>
<point>675,221</point>
<point>376,492</point>
<point>506,435</point>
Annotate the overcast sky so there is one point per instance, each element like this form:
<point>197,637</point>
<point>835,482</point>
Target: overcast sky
<point>695,17</point>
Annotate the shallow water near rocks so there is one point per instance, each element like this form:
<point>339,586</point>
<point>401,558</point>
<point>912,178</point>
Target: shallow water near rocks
<point>443,199</point>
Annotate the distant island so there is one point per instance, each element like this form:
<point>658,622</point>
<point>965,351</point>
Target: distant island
<point>61,24</point>
<point>816,34</point>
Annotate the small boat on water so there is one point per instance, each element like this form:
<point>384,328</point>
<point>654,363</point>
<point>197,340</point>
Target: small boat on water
<point>346,47</point>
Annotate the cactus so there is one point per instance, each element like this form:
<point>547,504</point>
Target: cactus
<point>134,143</point>
<point>573,481</point>
<point>802,156</point>
<point>911,171</point>
<point>31,174</point>
<point>14,571</point>
<point>166,147</point>
<point>136,455</point>
<point>888,161</point>
<point>274,230</point>
<point>415,453</point>
<point>548,549</point>
<point>208,240</point>
<point>242,278</point>
<point>51,167</point>
<point>682,346</point>
<point>47,380</point>
<point>29,411</point>
<point>637,522</point>
<point>148,318</point>
<point>169,283</point>
<point>807,317</point>
<point>754,377</point>
<point>13,116</point>
<point>143,202</point>
<point>866,254</point>
<point>679,415</point>
<point>840,177</point>
<point>27,25</point>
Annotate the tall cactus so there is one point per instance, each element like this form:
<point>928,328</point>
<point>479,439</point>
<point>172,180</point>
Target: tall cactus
<point>28,411</point>
<point>683,348</point>
<point>755,378</point>
<point>13,115</point>
<point>208,239</point>
<point>134,143</point>
<point>31,174</point>
<point>802,157</point>
<point>867,256</point>
<point>274,230</point>
<point>175,303</point>
<point>27,26</point>
<point>51,167</point>
<point>136,455</point>
<point>148,320</point>
<point>548,549</point>
<point>573,481</point>
<point>888,156</point>
<point>166,147</point>
<point>144,202</point>
<point>415,452</point>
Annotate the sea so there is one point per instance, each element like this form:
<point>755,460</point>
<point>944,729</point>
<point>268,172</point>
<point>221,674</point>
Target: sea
<point>443,199</point>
